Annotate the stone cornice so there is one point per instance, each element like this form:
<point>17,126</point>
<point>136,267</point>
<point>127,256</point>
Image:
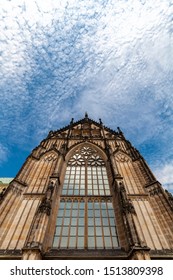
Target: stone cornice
<point>87,253</point>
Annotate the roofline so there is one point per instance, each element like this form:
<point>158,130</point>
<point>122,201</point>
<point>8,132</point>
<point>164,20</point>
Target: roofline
<point>86,119</point>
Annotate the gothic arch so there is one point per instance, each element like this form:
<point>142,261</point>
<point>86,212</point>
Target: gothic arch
<point>122,156</point>
<point>100,152</point>
<point>50,155</point>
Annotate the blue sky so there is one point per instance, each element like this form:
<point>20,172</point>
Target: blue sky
<point>111,58</point>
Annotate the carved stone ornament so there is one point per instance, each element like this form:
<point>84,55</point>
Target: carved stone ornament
<point>84,154</point>
<point>127,205</point>
<point>45,206</point>
<point>2,193</point>
<point>170,196</point>
<point>51,187</point>
<point>122,157</point>
<point>50,157</point>
<point>155,191</point>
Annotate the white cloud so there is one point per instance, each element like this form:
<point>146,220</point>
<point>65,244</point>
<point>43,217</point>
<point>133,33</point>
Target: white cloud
<point>3,154</point>
<point>164,174</point>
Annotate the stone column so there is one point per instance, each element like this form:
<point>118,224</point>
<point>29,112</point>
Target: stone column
<point>34,244</point>
<point>31,254</point>
<point>137,248</point>
<point>139,254</point>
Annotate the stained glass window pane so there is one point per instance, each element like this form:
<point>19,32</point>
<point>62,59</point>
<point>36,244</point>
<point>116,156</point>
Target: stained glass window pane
<point>91,242</point>
<point>82,205</point>
<point>80,243</point>
<point>81,231</point>
<point>65,231</point>
<point>60,212</point>
<point>64,242</point>
<point>91,231</point>
<point>106,231</point>
<point>56,241</point>
<point>98,231</point>
<point>81,213</point>
<point>105,221</point>
<point>115,242</point>
<point>90,222</point>
<point>99,241</point>
<point>108,243</point>
<point>66,221</point>
<point>73,221</point>
<point>72,242</point>
<point>81,221</point>
<point>58,230</point>
<point>98,221</point>
<point>73,231</point>
<point>67,213</point>
<point>59,221</point>
<point>113,231</point>
<point>82,192</point>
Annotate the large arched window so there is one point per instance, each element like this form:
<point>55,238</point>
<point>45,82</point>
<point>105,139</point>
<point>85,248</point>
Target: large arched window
<point>86,218</point>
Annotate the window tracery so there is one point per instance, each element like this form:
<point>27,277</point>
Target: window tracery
<point>50,157</point>
<point>122,157</point>
<point>86,155</point>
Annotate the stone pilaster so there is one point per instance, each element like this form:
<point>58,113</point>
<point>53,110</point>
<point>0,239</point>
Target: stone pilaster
<point>138,249</point>
<point>34,244</point>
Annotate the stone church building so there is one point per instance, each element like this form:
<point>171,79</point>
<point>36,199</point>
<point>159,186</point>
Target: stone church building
<point>85,193</point>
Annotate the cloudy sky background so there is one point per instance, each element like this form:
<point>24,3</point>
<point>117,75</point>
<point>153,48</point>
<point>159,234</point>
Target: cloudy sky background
<point>111,58</point>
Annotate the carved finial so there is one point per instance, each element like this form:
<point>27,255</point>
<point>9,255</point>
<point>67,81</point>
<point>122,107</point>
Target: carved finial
<point>100,121</point>
<point>71,121</point>
<point>86,115</point>
<point>170,196</point>
<point>51,187</point>
<point>119,130</point>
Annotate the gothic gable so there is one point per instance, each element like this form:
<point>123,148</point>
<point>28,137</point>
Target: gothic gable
<point>85,128</point>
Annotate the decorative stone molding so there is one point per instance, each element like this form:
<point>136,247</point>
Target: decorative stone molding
<point>118,254</point>
<point>10,254</point>
<point>50,157</point>
<point>154,189</point>
<point>33,245</point>
<point>33,195</point>
<point>45,206</point>
<point>122,157</point>
<point>15,189</point>
<point>170,196</point>
<point>138,253</point>
<point>127,205</point>
<point>2,194</point>
<point>32,254</point>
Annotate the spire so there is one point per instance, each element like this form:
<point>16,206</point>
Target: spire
<point>119,130</point>
<point>71,121</point>
<point>100,121</point>
<point>86,115</point>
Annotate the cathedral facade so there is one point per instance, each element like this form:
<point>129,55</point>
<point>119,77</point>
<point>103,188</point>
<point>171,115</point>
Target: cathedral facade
<point>85,193</point>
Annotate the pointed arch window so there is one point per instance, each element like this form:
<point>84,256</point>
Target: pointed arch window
<point>86,218</point>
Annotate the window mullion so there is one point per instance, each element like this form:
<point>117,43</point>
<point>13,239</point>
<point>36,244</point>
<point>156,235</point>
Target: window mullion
<point>101,219</point>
